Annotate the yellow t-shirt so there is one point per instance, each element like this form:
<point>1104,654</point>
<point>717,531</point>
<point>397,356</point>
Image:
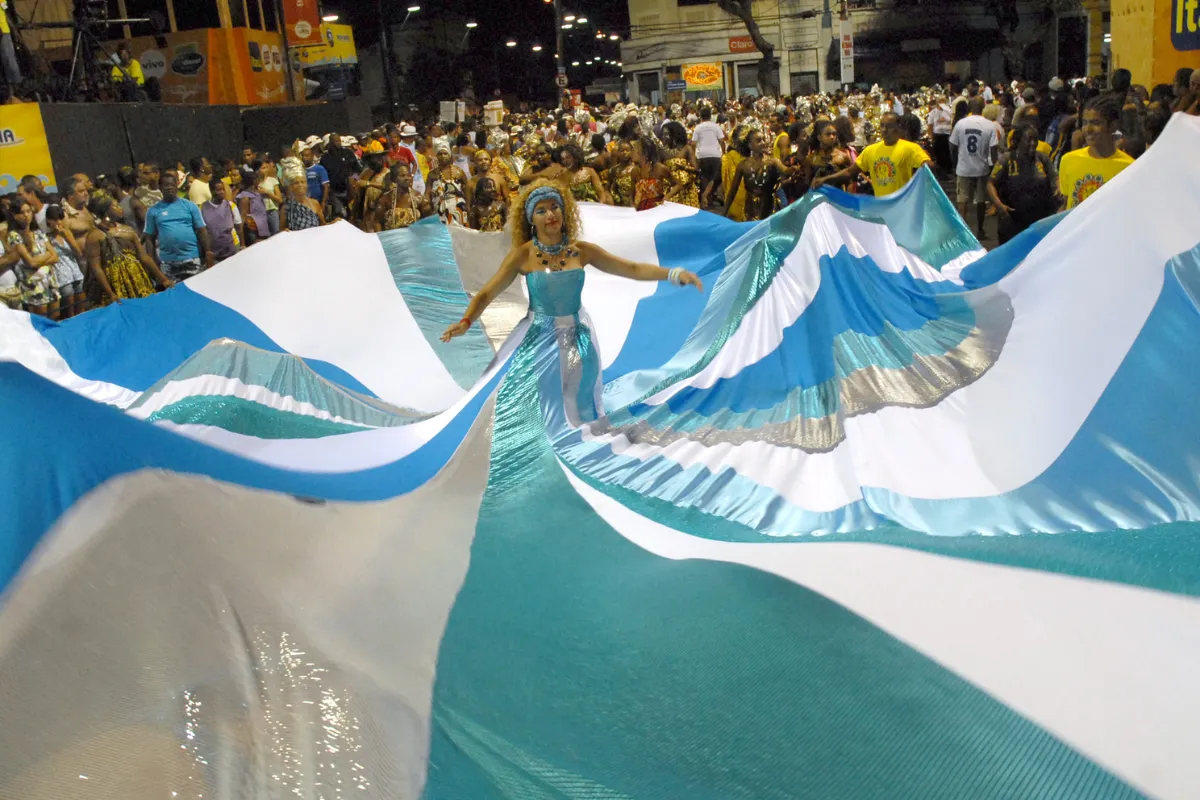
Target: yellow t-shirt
<point>776,148</point>
<point>1079,174</point>
<point>1042,147</point>
<point>891,168</point>
<point>4,17</point>
<point>135,71</point>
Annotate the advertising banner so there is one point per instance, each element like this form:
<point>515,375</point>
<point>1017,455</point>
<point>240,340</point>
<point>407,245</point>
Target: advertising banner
<point>303,21</point>
<point>742,44</point>
<point>262,66</point>
<point>700,77</point>
<point>338,47</point>
<point>23,147</point>
<point>493,113</point>
<point>847,52</point>
<point>182,67</point>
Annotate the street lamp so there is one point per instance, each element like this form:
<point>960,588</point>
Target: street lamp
<point>472,24</point>
<point>329,18</point>
<point>581,21</point>
<point>511,43</point>
<point>569,18</point>
<point>413,9</point>
<point>567,26</point>
<point>537,48</point>
<point>613,37</point>
<point>574,63</point>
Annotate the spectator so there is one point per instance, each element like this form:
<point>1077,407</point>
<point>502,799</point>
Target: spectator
<point>317,178</point>
<point>145,195</point>
<point>340,164</point>
<point>398,205</point>
<point>710,146</point>
<point>1085,170</point>
<point>120,267</point>
<point>1027,107</point>
<point>489,211</point>
<point>31,192</point>
<point>75,196</point>
<point>72,299</point>
<point>224,222</point>
<point>127,76</point>
<point>176,230</point>
<point>253,208</point>
<point>941,123</point>
<point>247,166</point>
<point>268,187</point>
<point>126,183</point>
<point>1022,185</point>
<point>300,211</point>
<point>35,269</point>
<point>890,164</point>
<point>10,70</point>
<point>202,172</point>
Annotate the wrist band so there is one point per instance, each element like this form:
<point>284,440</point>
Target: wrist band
<point>466,320</point>
<point>675,276</point>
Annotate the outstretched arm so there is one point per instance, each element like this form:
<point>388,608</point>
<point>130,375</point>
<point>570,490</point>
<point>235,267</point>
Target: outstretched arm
<point>509,269</point>
<point>605,261</point>
<point>848,174</point>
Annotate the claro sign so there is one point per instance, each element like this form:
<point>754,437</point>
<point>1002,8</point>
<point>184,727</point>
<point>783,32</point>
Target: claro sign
<point>742,44</point>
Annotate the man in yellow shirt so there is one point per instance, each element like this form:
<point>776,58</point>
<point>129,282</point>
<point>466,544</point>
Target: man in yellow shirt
<point>889,164</point>
<point>128,78</point>
<point>10,70</point>
<point>1085,170</point>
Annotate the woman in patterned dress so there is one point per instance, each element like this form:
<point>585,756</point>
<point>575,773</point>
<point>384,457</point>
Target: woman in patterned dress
<point>398,206</point>
<point>120,267</point>
<point>680,159</point>
<point>583,181</point>
<point>447,189</point>
<point>35,267</point>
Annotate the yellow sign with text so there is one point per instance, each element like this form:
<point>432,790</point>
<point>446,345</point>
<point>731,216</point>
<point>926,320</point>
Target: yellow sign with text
<point>338,48</point>
<point>23,147</point>
<point>703,76</point>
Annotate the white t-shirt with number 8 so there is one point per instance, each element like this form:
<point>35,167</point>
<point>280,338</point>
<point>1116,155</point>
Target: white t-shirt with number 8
<point>974,136</point>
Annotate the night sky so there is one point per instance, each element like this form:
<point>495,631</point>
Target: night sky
<point>516,69</point>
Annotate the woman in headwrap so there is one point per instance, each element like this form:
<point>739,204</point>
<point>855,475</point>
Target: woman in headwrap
<point>447,188</point>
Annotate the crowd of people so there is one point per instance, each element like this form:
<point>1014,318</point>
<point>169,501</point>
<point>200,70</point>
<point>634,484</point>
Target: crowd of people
<point>1019,151</point>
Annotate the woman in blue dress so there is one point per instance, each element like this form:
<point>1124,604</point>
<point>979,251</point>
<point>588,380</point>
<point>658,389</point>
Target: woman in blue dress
<point>546,251</point>
<point>556,332</point>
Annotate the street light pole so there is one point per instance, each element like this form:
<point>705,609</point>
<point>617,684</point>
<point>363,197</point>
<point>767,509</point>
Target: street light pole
<point>385,53</point>
<point>558,50</point>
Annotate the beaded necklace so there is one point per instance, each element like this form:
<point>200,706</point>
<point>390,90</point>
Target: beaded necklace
<point>554,257</point>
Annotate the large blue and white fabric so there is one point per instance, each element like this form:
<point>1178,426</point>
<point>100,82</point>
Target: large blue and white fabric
<point>876,514</point>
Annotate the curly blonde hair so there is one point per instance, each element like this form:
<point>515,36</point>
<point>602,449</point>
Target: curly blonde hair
<point>522,231</point>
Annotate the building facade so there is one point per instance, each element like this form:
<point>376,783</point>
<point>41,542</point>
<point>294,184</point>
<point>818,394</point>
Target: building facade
<point>896,43</point>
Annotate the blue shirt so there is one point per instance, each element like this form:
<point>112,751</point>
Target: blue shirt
<point>318,176</point>
<point>175,226</point>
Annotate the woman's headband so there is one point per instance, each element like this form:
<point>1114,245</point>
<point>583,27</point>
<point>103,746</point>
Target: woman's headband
<point>538,195</point>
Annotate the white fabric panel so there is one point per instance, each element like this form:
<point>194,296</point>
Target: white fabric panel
<point>611,301</point>
<point>174,634</point>
<point>20,342</point>
<point>327,293</point>
<point>1107,668</point>
<point>218,386</point>
<point>346,452</point>
<point>1080,299</point>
